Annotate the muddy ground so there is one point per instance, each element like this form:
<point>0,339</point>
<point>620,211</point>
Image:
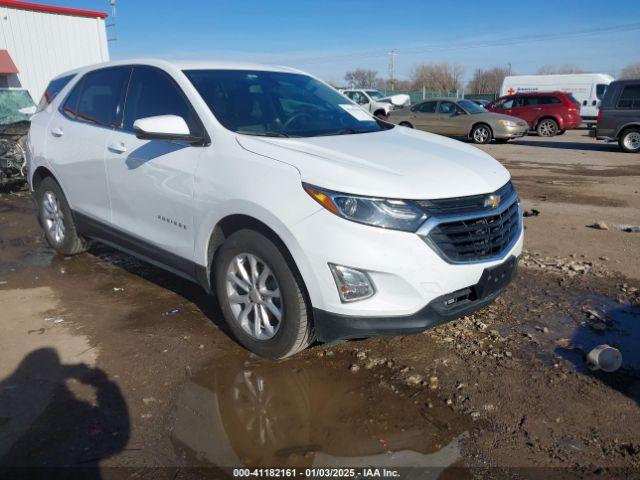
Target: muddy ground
<point>108,362</point>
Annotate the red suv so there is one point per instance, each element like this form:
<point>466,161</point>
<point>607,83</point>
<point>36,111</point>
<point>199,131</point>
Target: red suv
<point>549,113</point>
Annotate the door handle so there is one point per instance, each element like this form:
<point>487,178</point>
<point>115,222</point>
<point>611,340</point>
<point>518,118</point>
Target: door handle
<point>117,147</point>
<point>57,132</point>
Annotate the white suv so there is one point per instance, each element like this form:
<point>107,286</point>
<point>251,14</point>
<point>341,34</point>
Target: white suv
<point>308,217</point>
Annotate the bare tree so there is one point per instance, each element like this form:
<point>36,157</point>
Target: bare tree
<point>487,81</point>
<point>630,72</point>
<point>437,77</point>
<point>362,78</point>
<point>559,69</point>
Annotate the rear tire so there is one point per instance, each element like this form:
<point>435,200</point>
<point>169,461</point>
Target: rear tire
<point>629,140</point>
<point>56,219</point>
<point>261,296</point>
<point>481,134</point>
<point>547,127</point>
<point>405,124</point>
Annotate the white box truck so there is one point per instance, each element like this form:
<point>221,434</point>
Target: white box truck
<point>587,88</point>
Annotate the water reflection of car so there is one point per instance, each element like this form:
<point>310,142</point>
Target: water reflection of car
<point>253,413</point>
<point>462,118</point>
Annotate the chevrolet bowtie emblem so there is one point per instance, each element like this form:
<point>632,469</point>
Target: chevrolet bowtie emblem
<point>492,201</point>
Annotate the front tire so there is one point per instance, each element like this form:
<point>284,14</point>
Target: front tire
<point>405,124</point>
<point>547,127</point>
<point>481,134</point>
<point>261,296</point>
<point>629,141</point>
<point>56,219</point>
<point>381,115</point>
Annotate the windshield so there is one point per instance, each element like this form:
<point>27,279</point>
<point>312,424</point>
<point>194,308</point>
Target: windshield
<point>375,94</point>
<point>600,89</point>
<point>279,104</point>
<point>14,106</point>
<point>471,107</point>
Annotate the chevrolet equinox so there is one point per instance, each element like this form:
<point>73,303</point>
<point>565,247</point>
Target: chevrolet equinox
<point>307,217</point>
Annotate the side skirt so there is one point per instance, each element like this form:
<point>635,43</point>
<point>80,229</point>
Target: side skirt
<point>142,249</point>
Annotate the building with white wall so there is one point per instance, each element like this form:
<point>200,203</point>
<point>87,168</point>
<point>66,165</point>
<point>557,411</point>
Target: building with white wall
<point>38,42</point>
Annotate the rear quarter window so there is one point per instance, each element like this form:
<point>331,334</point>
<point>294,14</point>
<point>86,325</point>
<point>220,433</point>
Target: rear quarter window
<point>52,91</point>
<point>630,97</point>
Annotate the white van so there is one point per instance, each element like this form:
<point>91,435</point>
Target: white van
<point>587,88</point>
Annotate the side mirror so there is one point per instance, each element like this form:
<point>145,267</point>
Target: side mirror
<point>164,127</point>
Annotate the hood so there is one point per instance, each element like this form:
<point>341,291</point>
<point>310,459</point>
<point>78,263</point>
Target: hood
<point>396,163</point>
<point>399,100</point>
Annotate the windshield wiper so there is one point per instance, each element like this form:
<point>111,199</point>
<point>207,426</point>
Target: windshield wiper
<point>264,134</point>
<point>348,131</point>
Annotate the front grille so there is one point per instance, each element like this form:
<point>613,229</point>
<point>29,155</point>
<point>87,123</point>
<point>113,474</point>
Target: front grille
<point>457,205</point>
<point>479,238</point>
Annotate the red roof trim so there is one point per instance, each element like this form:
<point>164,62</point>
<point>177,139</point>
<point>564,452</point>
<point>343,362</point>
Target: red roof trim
<point>51,9</point>
<point>7,67</point>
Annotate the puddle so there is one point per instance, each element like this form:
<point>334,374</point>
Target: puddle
<point>618,325</point>
<point>308,414</point>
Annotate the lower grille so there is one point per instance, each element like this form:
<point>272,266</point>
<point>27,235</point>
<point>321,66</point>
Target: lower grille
<point>479,238</point>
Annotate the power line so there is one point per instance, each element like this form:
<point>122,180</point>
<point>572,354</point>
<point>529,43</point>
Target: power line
<point>504,41</point>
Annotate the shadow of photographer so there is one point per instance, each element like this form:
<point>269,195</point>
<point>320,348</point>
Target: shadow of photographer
<point>54,416</point>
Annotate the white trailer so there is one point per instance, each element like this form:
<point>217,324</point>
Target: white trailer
<point>38,42</point>
<point>587,88</point>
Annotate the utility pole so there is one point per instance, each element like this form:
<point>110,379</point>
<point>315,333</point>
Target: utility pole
<point>392,69</point>
<point>112,25</point>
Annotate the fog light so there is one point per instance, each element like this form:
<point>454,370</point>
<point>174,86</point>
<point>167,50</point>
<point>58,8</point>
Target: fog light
<point>352,284</point>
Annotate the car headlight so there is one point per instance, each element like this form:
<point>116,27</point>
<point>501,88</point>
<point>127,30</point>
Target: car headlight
<point>507,123</point>
<point>393,214</point>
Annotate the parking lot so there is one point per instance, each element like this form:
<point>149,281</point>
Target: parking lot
<point>110,362</point>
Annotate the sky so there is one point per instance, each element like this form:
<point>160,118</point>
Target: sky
<point>328,38</point>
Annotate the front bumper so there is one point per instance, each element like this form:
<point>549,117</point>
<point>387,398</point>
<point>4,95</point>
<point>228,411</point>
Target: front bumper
<point>408,274</point>
<point>331,326</point>
<point>510,132</point>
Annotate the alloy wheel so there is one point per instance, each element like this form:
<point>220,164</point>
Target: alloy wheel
<point>254,296</point>
<point>632,141</point>
<point>481,134</point>
<point>548,128</point>
<point>53,218</point>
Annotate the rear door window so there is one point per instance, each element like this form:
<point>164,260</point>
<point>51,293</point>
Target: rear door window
<point>98,98</point>
<point>427,107</point>
<point>630,97</point>
<point>52,91</point>
<point>550,100</point>
<point>152,93</point>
